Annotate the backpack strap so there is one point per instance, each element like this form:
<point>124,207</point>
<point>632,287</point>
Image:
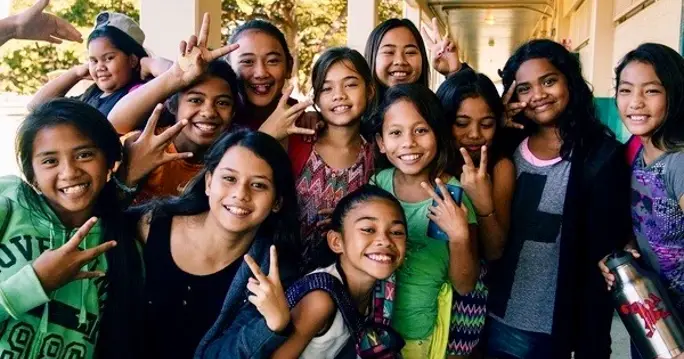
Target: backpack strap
<point>299,151</point>
<point>331,285</point>
<point>633,147</point>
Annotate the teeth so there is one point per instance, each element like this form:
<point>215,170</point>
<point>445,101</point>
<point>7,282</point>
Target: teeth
<point>638,118</point>
<point>237,211</point>
<point>382,258</point>
<point>399,74</point>
<point>409,157</point>
<point>261,89</point>
<point>77,189</point>
<point>339,109</point>
<point>206,127</point>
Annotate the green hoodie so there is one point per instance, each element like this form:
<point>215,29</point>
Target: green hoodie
<point>35,324</point>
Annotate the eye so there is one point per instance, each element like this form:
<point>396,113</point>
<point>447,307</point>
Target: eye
<point>461,123</point>
<point>653,91</point>
<point>230,179</point>
<point>411,52</point>
<point>522,89</point>
<point>487,123</point>
<point>259,185</point>
<point>326,89</point>
<point>422,130</point>
<point>394,133</point>
<point>368,230</point>
<point>93,60</point>
<point>195,100</point>
<point>49,161</point>
<point>224,103</point>
<point>110,57</point>
<point>624,91</point>
<point>275,61</point>
<point>85,155</point>
<point>246,62</point>
<point>387,52</point>
<point>398,232</point>
<point>549,81</point>
<point>351,85</point>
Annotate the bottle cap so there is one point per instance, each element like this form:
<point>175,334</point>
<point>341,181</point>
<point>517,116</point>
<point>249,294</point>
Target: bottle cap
<point>618,258</point>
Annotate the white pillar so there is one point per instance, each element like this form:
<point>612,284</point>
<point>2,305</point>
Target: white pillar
<point>164,32</point>
<point>601,35</point>
<point>362,17</point>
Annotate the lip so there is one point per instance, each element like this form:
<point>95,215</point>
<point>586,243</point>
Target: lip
<point>341,109</point>
<point>206,128</point>
<point>473,148</point>
<point>261,89</point>
<point>383,258</point>
<point>638,118</point>
<point>238,211</point>
<point>543,106</point>
<point>400,74</point>
<point>75,190</point>
<point>410,158</point>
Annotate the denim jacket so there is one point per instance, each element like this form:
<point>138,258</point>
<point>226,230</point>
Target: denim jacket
<point>240,331</point>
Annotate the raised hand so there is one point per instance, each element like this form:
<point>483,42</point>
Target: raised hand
<point>512,109</point>
<point>195,56</point>
<point>153,66</point>
<point>147,150</point>
<point>82,71</point>
<point>450,217</point>
<point>55,268</point>
<point>476,182</point>
<point>443,52</point>
<point>34,24</point>
<point>268,295</point>
<point>283,121</point>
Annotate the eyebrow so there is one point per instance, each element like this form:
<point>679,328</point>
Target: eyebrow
<point>257,176</point>
<point>105,54</point>
<point>365,218</point>
<point>350,77</point>
<point>654,82</point>
<point>78,148</point>
<point>247,54</point>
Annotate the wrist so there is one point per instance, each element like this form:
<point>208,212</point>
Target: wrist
<point>287,330</point>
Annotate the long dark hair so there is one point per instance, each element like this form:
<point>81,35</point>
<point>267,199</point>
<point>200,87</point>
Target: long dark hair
<point>430,109</point>
<point>322,255</point>
<point>282,227</point>
<point>469,84</point>
<point>669,67</point>
<point>578,125</point>
<point>118,337</point>
<point>333,56</point>
<point>373,46</point>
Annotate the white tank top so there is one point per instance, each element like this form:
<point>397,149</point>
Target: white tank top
<point>328,345</point>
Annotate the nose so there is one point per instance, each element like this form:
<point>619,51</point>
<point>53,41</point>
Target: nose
<point>260,70</point>
<point>408,140</point>
<point>636,101</point>
<point>69,170</point>
<point>538,93</point>
<point>241,192</point>
<point>208,110</point>
<point>382,240</point>
<point>474,132</point>
<point>339,94</point>
<point>399,58</point>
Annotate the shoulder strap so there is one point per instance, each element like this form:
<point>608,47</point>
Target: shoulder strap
<point>633,147</point>
<point>333,286</point>
<point>298,150</point>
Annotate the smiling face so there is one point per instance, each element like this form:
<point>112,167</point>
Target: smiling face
<point>241,191</point>
<point>545,90</point>
<point>372,243</point>
<point>641,99</point>
<point>398,60</point>
<point>70,171</point>
<point>474,126</point>
<point>110,67</point>
<point>260,63</point>
<point>407,139</point>
<point>208,107</point>
<point>344,95</point>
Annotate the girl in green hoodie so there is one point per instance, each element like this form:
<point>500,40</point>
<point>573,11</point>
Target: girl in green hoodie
<point>61,230</point>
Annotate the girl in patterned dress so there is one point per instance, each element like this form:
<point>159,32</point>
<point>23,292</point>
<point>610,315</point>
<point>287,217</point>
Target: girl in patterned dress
<point>649,97</point>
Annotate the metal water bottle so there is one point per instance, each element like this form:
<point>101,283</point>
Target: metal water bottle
<point>645,309</point>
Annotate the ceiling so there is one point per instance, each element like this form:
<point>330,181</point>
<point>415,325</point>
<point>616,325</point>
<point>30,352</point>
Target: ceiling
<point>488,31</point>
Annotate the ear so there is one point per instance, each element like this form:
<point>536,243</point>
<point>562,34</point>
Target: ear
<point>207,183</point>
<point>277,205</point>
<point>134,61</point>
<point>335,241</point>
<point>381,144</point>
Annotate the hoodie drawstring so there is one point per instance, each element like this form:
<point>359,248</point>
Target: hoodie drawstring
<point>45,317</point>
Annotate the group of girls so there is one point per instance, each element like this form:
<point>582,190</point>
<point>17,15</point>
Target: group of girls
<point>149,223</point>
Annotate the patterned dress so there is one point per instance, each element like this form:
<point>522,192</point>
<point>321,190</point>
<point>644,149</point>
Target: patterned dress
<point>320,186</point>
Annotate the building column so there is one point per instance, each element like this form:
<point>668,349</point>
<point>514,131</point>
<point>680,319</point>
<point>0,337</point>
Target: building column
<point>601,34</point>
<point>186,17</point>
<point>362,17</point>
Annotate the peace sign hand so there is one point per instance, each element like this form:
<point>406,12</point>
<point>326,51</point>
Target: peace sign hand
<point>283,121</point>
<point>444,52</point>
<point>268,295</point>
<point>450,217</point>
<point>476,182</point>
<point>57,267</point>
<point>512,109</point>
<point>195,56</point>
<point>147,151</point>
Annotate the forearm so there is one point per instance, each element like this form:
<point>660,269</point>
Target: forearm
<point>133,108</point>
<point>464,266</point>
<point>55,88</point>
<point>8,29</point>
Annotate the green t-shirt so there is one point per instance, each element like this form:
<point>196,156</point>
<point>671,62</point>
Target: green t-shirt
<point>425,268</point>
